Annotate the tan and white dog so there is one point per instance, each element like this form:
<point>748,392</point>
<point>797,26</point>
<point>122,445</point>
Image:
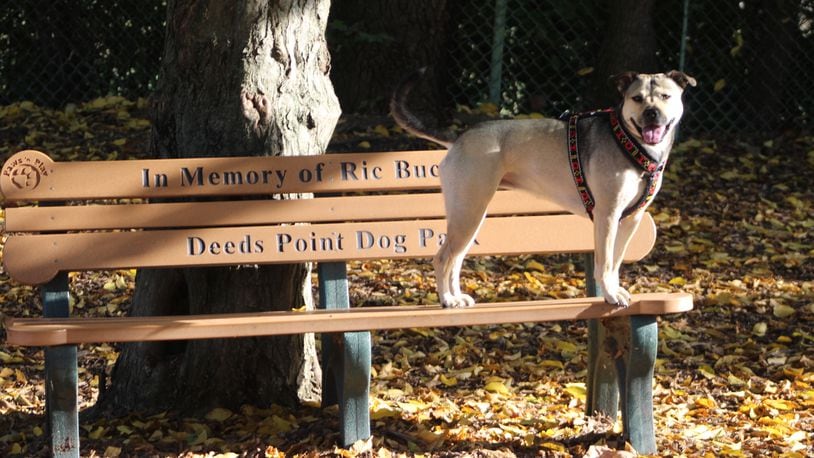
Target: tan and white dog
<point>533,155</point>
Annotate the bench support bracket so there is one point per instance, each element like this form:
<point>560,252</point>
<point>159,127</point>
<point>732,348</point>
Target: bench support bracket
<point>61,383</point>
<point>346,360</point>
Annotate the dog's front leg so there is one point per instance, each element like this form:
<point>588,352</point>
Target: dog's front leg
<point>606,228</point>
<point>627,227</point>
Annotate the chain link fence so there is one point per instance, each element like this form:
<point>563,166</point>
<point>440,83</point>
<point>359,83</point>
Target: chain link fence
<point>57,51</point>
<point>752,58</point>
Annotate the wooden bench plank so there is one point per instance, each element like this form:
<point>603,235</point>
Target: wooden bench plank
<point>32,175</point>
<point>61,331</point>
<point>27,260</point>
<point>255,212</point>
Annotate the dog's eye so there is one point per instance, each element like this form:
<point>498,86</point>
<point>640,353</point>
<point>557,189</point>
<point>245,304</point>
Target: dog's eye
<point>638,98</point>
<point>665,96</point>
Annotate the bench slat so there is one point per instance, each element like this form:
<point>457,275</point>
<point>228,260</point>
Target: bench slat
<point>26,259</point>
<point>255,212</point>
<point>54,331</point>
<point>32,175</point>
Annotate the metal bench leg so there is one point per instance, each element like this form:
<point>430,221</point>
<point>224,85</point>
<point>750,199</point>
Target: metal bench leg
<point>346,360</point>
<point>602,389</point>
<point>632,342</point>
<point>621,362</point>
<point>61,383</point>
<point>637,404</point>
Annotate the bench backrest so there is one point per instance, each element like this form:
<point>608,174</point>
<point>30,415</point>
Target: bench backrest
<point>96,215</point>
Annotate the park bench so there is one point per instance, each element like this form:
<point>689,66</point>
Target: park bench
<point>106,206</point>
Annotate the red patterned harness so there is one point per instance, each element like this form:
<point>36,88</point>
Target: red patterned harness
<point>652,169</point>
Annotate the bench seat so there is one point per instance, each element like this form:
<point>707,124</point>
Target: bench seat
<point>63,331</point>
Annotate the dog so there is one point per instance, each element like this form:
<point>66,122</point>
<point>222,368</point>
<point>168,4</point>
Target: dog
<point>612,179</point>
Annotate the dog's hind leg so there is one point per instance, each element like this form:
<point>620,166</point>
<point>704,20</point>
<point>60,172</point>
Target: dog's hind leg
<point>449,262</point>
<point>468,186</point>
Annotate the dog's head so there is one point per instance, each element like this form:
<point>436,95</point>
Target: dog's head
<point>651,103</point>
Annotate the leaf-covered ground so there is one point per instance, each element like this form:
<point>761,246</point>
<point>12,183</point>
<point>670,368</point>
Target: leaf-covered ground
<point>735,377</point>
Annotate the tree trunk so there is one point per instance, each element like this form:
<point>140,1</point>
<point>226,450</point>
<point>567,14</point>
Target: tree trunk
<point>771,30</point>
<point>237,78</point>
<point>375,44</point>
<point>630,44</point>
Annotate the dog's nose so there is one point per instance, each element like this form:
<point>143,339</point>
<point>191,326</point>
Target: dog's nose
<point>651,114</point>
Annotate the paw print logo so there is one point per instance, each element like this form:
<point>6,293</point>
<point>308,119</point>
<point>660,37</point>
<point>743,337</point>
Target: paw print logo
<point>25,176</point>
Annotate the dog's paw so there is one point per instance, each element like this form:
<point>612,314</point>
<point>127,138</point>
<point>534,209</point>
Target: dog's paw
<point>452,301</point>
<point>619,297</point>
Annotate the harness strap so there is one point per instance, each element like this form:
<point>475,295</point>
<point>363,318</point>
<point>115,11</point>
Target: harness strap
<point>633,150</point>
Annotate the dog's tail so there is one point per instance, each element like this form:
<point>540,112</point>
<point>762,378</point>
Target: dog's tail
<point>409,121</point>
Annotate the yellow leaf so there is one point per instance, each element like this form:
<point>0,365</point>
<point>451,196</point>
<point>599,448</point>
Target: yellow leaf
<point>780,404</point>
<point>448,381</point>
<point>364,144</point>
<point>707,371</point>
<point>707,403</point>
<point>675,248</point>
<point>112,452</point>
<point>735,381</point>
<point>381,130</point>
<point>782,311</point>
<point>730,175</point>
<point>759,329</point>
<point>110,286</point>
<point>534,265</point>
<point>567,349</point>
<point>552,363</point>
<point>381,409</point>
<point>218,414</point>
<point>576,390</point>
<point>412,406</point>
<point>38,431</point>
<point>497,387</point>
<point>719,85</point>
<point>124,429</point>
<point>585,71</point>
<point>16,449</point>
<point>120,141</point>
<point>678,281</point>
<point>97,433</point>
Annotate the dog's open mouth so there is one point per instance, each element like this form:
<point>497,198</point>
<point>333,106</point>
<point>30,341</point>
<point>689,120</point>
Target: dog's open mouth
<point>652,134</point>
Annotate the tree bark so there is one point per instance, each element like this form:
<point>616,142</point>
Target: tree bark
<point>237,78</point>
<point>630,44</point>
<point>771,30</point>
<point>375,44</point>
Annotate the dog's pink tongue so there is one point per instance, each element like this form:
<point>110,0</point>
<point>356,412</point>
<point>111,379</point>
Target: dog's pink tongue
<point>653,134</point>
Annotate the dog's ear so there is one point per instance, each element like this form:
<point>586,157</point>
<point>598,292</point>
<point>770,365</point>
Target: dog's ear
<point>623,80</point>
<point>681,78</point>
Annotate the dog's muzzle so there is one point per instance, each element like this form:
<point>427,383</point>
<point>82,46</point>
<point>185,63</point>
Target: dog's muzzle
<point>655,129</point>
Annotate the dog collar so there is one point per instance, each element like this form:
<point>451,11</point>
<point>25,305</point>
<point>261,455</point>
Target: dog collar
<point>652,169</point>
